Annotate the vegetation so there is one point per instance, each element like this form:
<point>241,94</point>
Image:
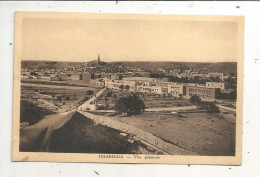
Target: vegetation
<point>90,92</point>
<point>195,99</point>
<point>109,94</point>
<point>210,107</point>
<point>127,87</point>
<point>121,87</point>
<point>231,96</point>
<point>59,98</point>
<point>130,105</point>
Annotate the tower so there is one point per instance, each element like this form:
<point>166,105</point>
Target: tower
<point>98,60</point>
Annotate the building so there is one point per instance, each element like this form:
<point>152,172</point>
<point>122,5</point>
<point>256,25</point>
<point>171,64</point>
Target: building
<point>98,82</point>
<point>56,78</point>
<point>115,84</point>
<point>175,89</point>
<point>140,79</point>
<point>65,77</point>
<point>76,77</point>
<point>116,76</point>
<point>215,85</point>
<point>203,92</point>
<point>152,89</point>
<point>87,76</point>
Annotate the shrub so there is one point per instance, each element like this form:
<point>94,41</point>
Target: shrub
<point>90,92</point>
<point>109,94</point>
<point>195,99</point>
<point>210,107</point>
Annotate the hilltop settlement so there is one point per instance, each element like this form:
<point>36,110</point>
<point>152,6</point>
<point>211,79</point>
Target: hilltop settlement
<point>140,107</point>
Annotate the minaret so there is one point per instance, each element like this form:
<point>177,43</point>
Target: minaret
<point>98,60</point>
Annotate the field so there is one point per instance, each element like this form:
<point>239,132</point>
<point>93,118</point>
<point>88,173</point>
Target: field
<point>41,98</point>
<point>151,101</point>
<point>202,133</point>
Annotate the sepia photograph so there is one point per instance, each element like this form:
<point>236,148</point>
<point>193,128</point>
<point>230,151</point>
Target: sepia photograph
<point>128,88</point>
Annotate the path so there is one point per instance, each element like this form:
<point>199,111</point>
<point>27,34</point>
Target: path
<point>87,104</point>
<point>227,108</point>
<point>181,108</point>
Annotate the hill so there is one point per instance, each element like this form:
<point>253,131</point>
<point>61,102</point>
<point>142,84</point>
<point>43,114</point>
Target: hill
<point>47,64</point>
<point>223,67</point>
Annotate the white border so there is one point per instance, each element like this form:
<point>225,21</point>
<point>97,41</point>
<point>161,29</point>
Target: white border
<point>251,120</point>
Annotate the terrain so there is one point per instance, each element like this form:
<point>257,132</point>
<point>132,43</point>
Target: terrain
<point>222,67</point>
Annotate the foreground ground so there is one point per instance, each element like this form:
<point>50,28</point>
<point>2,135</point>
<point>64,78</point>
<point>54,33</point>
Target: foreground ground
<point>81,135</point>
<point>78,135</point>
<point>202,133</point>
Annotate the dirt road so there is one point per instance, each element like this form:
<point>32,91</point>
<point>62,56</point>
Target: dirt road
<point>181,108</point>
<point>87,104</point>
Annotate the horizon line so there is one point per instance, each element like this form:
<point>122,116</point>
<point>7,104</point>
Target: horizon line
<point>132,61</point>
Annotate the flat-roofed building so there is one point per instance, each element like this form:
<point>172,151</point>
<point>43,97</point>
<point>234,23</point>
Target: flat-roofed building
<point>98,82</point>
<point>87,76</point>
<point>140,79</point>
<point>76,77</point>
<point>152,89</point>
<point>64,76</point>
<point>116,76</point>
<point>203,92</point>
<point>115,84</point>
<point>175,89</point>
<point>215,85</point>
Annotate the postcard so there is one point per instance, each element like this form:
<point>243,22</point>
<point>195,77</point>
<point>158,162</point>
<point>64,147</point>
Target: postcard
<point>128,88</point>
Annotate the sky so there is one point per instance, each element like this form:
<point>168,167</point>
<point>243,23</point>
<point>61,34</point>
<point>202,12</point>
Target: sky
<point>129,40</point>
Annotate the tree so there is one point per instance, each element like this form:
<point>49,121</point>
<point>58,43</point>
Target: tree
<point>67,98</point>
<point>121,87</point>
<point>109,94</point>
<point>59,98</point>
<point>130,105</point>
<point>90,92</point>
<point>210,107</point>
<point>127,87</point>
<point>195,99</point>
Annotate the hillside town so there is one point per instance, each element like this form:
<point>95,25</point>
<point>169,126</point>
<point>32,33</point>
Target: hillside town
<point>132,103</point>
<point>175,82</point>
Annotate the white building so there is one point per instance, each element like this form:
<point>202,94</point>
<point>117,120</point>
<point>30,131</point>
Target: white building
<point>175,89</point>
<point>215,85</point>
